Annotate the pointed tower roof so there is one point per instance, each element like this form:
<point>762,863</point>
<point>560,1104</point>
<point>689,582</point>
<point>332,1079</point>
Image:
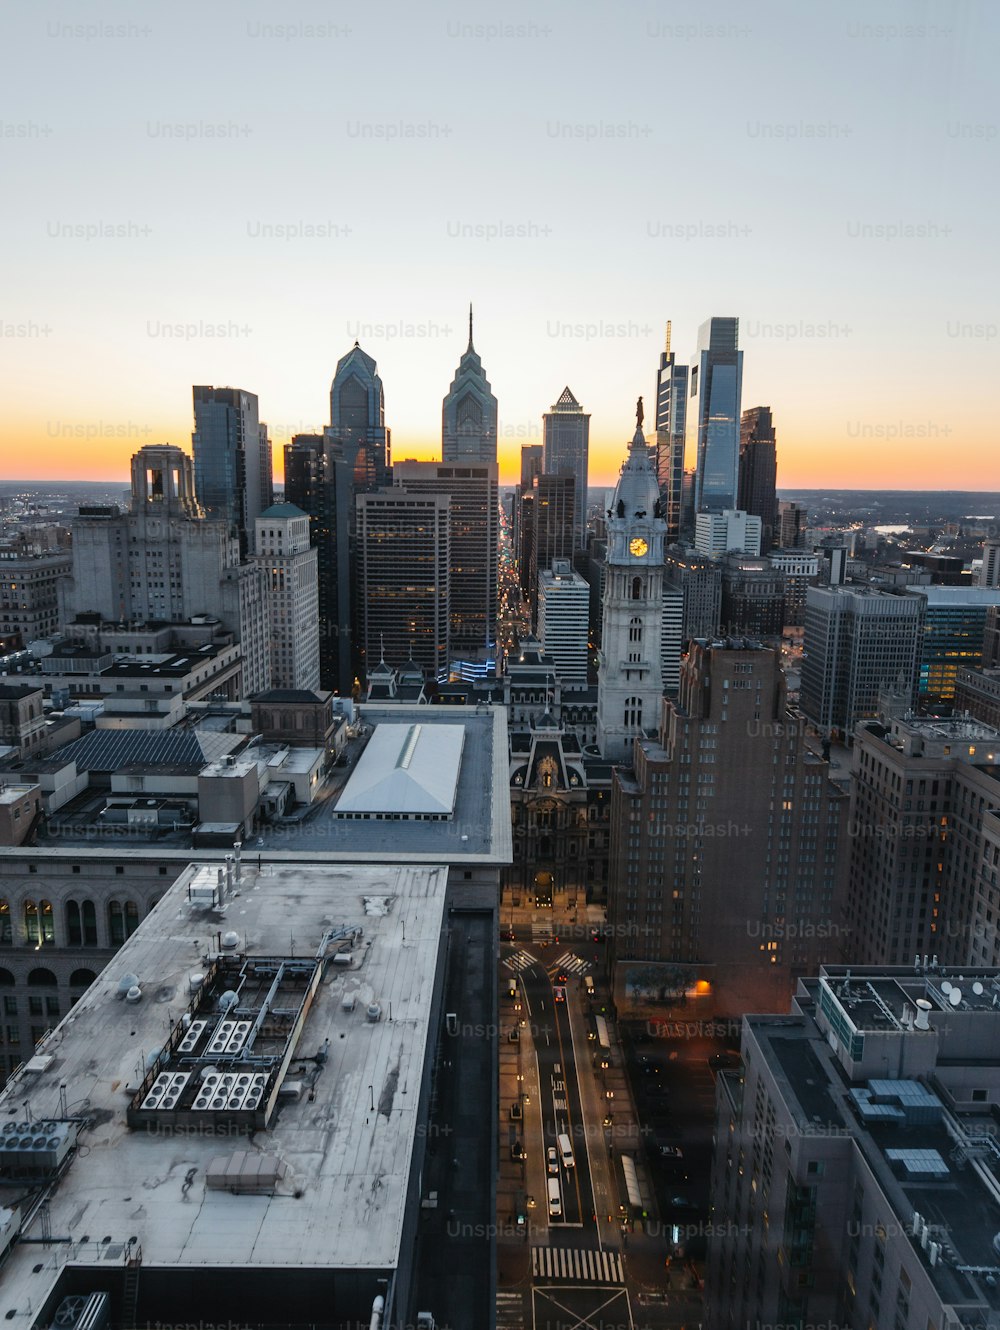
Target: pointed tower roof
<point>566,402</point>
<point>357,356</point>
<point>637,490</point>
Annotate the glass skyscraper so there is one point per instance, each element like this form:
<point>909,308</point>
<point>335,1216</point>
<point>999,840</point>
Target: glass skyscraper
<point>469,412</point>
<point>671,417</point>
<point>566,451</point>
<point>357,418</point>
<point>232,472</point>
<point>716,385</point>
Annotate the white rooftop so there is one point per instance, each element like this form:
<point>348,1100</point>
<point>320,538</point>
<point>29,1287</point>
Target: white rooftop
<point>411,769</point>
<point>341,1201</point>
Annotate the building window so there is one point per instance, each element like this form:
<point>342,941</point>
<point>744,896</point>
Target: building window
<point>6,936</point>
<point>123,920</point>
<point>38,925</point>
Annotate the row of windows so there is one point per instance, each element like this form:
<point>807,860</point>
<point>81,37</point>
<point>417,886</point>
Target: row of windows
<point>38,923</point>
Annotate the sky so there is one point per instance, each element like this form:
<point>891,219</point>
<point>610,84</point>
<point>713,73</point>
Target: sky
<point>231,193</point>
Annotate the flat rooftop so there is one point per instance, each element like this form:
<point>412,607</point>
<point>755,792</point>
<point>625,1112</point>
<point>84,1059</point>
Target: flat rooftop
<point>343,1180</point>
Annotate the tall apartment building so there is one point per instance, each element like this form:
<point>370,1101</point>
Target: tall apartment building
<point>800,571</point>
<point>474,517</point>
<point>855,1178</point>
<point>232,458</point>
<point>672,638</point>
<point>857,641</point>
<point>699,578</point>
<point>566,450</point>
<point>548,530</point>
<point>671,427</point>
<point>163,561</point>
<point>989,573</point>
<point>791,525</point>
<point>29,594</point>
<point>728,837</point>
<point>290,567</point>
<point>716,534</point>
<point>563,621</point>
<point>404,569</point>
<point>753,597</point>
<point>469,413</point>
<point>759,471</point>
<point>531,466</point>
<point>925,841</point>
<point>713,423</point>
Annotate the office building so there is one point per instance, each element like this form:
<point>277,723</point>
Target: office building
<point>290,567</point>
<point>630,681</point>
<point>672,637</point>
<point>566,450</point>
<point>699,578</point>
<point>727,842</point>
<point>547,531</point>
<point>989,573</point>
<point>977,694</point>
<point>232,459</point>
<point>954,632</point>
<point>731,530</point>
<point>404,569</point>
<point>857,641</point>
<point>22,717</point>
<point>713,422</point>
<point>532,463</point>
<point>759,471</point>
<point>753,597</point>
<point>855,1173</point>
<point>800,571</point>
<point>792,519</point>
<point>991,639</point>
<point>474,518</point>
<point>164,562</point>
<point>469,413</point>
<point>671,418</point>
<point>357,419</point>
<point>29,594</point>
<point>563,621</point>
<point>925,841</point>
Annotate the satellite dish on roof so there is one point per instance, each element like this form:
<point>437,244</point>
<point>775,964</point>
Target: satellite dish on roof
<point>955,996</point>
<point>977,988</point>
<point>946,986</point>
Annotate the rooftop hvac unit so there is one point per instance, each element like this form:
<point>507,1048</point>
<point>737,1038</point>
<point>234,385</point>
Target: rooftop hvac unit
<point>82,1311</point>
<point>374,1012</point>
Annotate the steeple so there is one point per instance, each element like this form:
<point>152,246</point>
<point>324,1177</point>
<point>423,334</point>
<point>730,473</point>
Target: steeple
<point>470,347</point>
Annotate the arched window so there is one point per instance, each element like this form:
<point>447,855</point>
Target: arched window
<point>6,979</point>
<point>74,933</point>
<point>82,978</point>
<point>41,978</point>
<point>38,925</point>
<point>633,713</point>
<point>635,629</point>
<point>123,920</point>
<point>637,588</point>
<point>89,914</point>
<point>6,934</point>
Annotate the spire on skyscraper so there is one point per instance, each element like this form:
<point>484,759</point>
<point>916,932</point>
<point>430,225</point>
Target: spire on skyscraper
<point>471,347</point>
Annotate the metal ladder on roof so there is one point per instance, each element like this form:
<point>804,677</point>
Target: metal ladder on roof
<point>130,1292</point>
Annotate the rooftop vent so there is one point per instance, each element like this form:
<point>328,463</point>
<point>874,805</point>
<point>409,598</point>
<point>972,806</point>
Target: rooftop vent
<point>374,1011</point>
<point>126,982</point>
<point>921,1022</point>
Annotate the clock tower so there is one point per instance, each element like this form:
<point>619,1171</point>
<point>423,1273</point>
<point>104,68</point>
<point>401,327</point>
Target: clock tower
<point>630,679</point>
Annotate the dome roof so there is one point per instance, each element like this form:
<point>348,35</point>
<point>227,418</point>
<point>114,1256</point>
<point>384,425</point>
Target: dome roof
<point>637,490</point>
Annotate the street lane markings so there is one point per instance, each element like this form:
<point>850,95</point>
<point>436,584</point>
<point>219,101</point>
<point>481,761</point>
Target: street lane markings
<point>519,961</point>
<point>579,1263</point>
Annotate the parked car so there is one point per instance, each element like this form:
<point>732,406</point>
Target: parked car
<point>552,1161</point>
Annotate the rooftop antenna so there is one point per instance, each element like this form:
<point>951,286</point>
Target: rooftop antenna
<point>470,326</point>
<point>668,338</point>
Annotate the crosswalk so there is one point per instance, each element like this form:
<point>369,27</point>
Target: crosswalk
<point>519,961</point>
<point>570,964</point>
<point>511,1311</point>
<point>579,1263</point>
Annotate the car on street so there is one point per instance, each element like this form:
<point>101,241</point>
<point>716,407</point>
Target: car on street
<point>552,1160</point>
<point>559,993</point>
<point>671,1152</point>
<point>681,1202</point>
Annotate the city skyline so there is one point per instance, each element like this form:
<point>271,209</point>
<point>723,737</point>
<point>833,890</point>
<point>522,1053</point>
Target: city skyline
<point>166,240</point>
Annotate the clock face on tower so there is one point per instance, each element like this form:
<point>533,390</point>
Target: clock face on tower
<point>637,546</point>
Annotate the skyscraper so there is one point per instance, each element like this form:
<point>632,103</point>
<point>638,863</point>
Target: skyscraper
<point>549,529</point>
<point>671,417</point>
<point>566,445</point>
<point>714,413</point>
<point>989,574</point>
<point>474,524</point>
<point>791,525</point>
<point>563,620</point>
<point>759,471</point>
<point>857,641</point>
<point>719,533</point>
<point>469,412</point>
<point>630,679</point>
<point>289,563</point>
<point>713,868</point>
<point>231,458</point>
<point>319,479</point>
<point>404,567</point>
<point>357,418</point>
